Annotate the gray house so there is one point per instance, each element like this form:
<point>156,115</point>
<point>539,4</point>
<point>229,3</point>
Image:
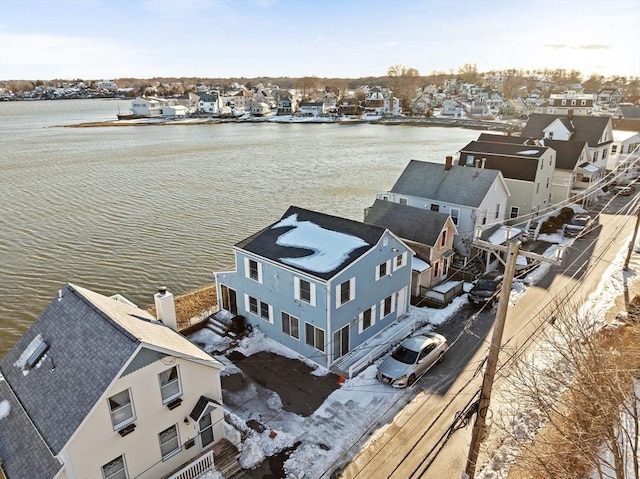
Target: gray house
<point>475,198</point>
<point>98,388</point>
<point>318,284</point>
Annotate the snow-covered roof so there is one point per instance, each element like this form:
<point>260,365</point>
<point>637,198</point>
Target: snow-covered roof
<point>419,265</point>
<point>502,234</point>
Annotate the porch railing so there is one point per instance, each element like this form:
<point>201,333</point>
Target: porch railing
<point>192,470</point>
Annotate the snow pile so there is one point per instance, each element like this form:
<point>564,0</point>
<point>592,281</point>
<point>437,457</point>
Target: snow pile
<point>5,408</point>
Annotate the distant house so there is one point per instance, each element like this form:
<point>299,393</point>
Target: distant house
<point>98,388</point>
<point>311,108</point>
<point>578,103</point>
<point>527,171</point>
<point>260,109</point>
<point>421,105</point>
<point>319,285</point>
<point>625,149</point>
<point>475,198</point>
<point>597,131</point>
<point>286,106</point>
<point>451,108</point>
<point>428,233</point>
<point>148,106</point>
<point>210,103</point>
<point>349,107</point>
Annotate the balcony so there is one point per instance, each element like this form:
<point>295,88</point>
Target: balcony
<point>226,461</point>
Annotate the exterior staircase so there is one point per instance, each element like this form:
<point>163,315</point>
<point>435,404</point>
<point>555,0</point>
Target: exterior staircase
<point>226,460</point>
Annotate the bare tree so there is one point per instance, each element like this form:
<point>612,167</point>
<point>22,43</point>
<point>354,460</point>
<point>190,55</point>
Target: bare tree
<point>468,73</point>
<point>403,82</point>
<point>579,386</point>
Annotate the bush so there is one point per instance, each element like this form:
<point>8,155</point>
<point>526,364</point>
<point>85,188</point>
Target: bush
<point>566,214</point>
<point>551,225</point>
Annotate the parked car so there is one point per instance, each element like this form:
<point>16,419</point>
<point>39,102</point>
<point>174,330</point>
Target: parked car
<point>623,190</point>
<point>412,358</point>
<point>486,289</point>
<point>580,224</point>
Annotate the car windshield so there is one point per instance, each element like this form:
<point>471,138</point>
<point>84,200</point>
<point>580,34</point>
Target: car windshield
<point>487,284</point>
<point>405,355</point>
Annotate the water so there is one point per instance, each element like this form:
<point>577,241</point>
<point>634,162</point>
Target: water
<point>126,209</point>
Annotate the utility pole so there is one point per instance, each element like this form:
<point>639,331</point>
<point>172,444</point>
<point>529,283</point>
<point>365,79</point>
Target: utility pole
<point>492,361</point>
<point>633,242</point>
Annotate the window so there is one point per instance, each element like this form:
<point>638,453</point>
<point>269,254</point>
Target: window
<point>444,239</point>
<point>497,211</point>
<point>383,269</point>
<point>537,188</point>
<point>547,183</point>
<point>121,409</point>
<point>455,214</point>
<point>170,384</point>
<point>469,161</point>
<point>253,270</point>
<point>614,148</point>
<point>314,336</point>
<point>252,304</point>
<point>115,469</point>
<point>403,201</point>
<point>169,442</point>
<point>265,311</point>
<point>304,291</point>
<point>386,307</point>
<point>400,261</point>
<point>345,292</point>
<point>514,212</point>
<point>367,319</point>
<point>385,198</point>
<point>290,325</point>
<point>436,269</point>
<point>435,208</point>
<point>341,342</point>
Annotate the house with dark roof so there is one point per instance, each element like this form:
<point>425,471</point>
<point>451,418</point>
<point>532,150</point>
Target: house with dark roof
<point>474,198</point>
<point>597,131</point>
<point>210,103</point>
<point>428,233</point>
<point>318,284</point>
<point>527,171</point>
<point>573,172</point>
<point>98,388</point>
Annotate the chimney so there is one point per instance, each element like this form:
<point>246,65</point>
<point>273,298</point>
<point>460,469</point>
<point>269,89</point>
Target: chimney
<point>448,162</point>
<point>165,308</point>
<point>484,160</point>
<point>570,113</point>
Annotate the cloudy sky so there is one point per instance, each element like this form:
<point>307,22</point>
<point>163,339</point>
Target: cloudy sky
<point>104,39</point>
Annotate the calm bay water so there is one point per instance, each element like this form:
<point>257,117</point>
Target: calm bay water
<point>126,209</point>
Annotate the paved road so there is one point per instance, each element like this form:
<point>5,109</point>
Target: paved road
<point>409,446</point>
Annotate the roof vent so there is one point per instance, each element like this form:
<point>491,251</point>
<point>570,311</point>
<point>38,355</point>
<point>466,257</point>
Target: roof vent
<point>37,354</point>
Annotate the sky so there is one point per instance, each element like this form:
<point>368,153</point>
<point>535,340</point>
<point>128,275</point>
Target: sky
<point>381,402</point>
<point>109,39</point>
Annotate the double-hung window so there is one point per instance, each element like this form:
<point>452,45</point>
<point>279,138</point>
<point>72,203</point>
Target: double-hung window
<point>399,261</point>
<point>314,336</point>
<point>253,269</point>
<point>345,292</point>
<point>367,319</point>
<point>170,384</point>
<point>304,291</point>
<point>121,409</point>
<point>169,442</point>
<point>386,306</point>
<point>383,269</point>
<point>116,469</point>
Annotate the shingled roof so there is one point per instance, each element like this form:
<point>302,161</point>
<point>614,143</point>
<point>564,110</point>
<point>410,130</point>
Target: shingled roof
<point>518,162</point>
<point>584,128</point>
<point>90,339</point>
<point>309,227</point>
<point>407,222</point>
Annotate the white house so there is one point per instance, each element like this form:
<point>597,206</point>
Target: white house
<point>98,388</point>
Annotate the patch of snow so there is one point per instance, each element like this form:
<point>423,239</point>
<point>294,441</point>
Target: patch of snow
<point>527,152</point>
<point>330,248</point>
<point>28,351</point>
<point>5,408</point>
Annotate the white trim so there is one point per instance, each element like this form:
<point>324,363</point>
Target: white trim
<point>296,291</point>
<point>361,327</point>
<point>393,306</point>
<point>247,269</point>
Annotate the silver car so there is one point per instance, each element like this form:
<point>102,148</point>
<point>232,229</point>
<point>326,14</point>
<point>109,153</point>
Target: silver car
<point>412,359</point>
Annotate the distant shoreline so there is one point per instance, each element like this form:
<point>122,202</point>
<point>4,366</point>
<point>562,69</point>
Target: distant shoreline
<point>432,121</point>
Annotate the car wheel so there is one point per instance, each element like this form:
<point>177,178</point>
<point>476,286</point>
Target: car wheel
<point>441,357</point>
<point>411,380</point>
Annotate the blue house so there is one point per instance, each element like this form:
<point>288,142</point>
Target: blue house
<point>318,284</point>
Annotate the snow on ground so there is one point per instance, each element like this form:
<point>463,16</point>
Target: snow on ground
<point>344,421</point>
<point>5,407</point>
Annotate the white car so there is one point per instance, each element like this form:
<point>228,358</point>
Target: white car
<point>414,357</point>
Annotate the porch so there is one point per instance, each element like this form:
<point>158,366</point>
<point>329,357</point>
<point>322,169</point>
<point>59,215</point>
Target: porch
<point>223,456</point>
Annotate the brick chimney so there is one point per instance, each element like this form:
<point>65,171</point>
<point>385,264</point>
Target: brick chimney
<point>570,113</point>
<point>165,308</point>
<point>448,162</point>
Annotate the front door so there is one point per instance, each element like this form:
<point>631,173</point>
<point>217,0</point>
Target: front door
<point>401,305</point>
<point>206,430</point>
